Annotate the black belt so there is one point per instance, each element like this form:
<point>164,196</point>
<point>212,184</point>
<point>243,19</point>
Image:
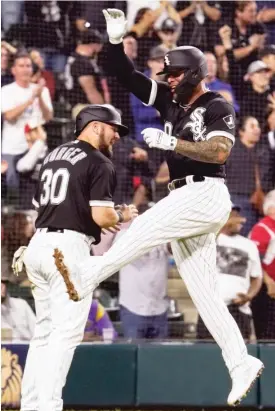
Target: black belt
<point>55,230</point>
<point>183,181</point>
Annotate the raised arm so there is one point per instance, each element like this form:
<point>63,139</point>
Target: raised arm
<point>134,81</point>
<point>145,89</point>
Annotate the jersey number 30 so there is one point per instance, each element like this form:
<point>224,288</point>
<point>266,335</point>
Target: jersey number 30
<point>55,186</point>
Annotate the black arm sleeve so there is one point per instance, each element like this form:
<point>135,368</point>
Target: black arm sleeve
<point>124,70</point>
<point>150,92</point>
<point>102,185</point>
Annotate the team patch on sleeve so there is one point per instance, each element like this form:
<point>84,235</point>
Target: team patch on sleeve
<point>229,121</point>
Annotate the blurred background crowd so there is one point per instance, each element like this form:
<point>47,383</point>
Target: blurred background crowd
<point>53,62</point>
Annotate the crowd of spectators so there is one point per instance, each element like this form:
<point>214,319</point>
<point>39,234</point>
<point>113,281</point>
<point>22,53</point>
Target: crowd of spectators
<point>53,63</point>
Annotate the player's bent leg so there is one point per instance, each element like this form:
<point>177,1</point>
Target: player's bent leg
<point>196,261</point>
<point>39,342</point>
<point>192,210</point>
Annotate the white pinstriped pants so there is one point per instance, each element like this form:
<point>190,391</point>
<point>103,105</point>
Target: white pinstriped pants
<point>60,322</point>
<point>189,218</point>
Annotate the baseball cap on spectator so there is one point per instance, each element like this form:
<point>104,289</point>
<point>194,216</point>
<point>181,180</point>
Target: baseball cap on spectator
<point>157,53</point>
<point>255,67</point>
<point>266,51</point>
<point>169,25</point>
<point>90,36</point>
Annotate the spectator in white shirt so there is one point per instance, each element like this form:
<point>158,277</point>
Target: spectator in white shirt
<point>21,101</point>
<point>17,317</point>
<point>142,295</point>
<point>239,273</point>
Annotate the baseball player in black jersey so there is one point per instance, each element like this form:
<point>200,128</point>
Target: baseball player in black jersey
<point>197,137</point>
<point>74,202</point>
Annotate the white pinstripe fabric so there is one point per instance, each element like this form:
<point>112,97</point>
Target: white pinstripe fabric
<point>194,213</point>
<point>60,322</point>
<point>196,262</point>
<point>195,209</point>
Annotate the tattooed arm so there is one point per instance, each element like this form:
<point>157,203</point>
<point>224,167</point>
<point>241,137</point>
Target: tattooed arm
<point>215,150</point>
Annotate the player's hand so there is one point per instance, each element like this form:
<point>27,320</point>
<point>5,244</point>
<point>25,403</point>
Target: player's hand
<point>116,25</point>
<point>129,212</point>
<point>241,299</point>
<point>158,139</point>
<point>18,260</point>
<point>139,154</point>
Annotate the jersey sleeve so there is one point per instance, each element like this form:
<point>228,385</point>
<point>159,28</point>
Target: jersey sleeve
<point>150,92</point>
<point>102,186</point>
<point>220,121</point>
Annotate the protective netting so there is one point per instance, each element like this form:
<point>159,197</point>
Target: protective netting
<point>66,41</point>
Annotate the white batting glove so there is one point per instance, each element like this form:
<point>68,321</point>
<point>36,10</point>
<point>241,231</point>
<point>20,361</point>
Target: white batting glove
<point>116,25</point>
<point>159,139</point>
<point>18,262</point>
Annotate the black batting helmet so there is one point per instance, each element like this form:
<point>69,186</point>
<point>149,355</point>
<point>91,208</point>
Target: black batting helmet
<point>192,62</point>
<point>185,58</point>
<point>99,112</point>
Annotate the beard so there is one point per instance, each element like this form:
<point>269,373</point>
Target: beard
<point>106,151</point>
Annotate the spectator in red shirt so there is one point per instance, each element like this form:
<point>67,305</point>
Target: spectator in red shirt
<point>263,306</point>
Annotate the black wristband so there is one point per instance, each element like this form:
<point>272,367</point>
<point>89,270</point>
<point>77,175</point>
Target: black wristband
<point>120,216</point>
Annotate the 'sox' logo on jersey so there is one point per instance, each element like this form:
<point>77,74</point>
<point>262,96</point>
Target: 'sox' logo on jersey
<point>197,124</point>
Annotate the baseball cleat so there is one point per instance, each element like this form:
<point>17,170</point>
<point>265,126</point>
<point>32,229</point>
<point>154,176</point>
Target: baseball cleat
<point>243,378</point>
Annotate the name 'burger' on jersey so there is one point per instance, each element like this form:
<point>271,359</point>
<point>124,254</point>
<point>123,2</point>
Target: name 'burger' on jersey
<point>74,177</point>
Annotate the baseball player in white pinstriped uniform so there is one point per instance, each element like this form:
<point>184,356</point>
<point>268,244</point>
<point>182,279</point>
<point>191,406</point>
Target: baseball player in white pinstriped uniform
<point>199,133</point>
<point>74,202</point>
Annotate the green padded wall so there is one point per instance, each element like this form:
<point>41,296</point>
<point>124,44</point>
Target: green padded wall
<point>102,375</point>
<point>267,380</point>
<point>192,374</point>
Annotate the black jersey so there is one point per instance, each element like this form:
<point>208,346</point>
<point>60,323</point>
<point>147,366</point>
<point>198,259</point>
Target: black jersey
<point>209,116</point>
<point>81,66</point>
<point>74,177</point>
